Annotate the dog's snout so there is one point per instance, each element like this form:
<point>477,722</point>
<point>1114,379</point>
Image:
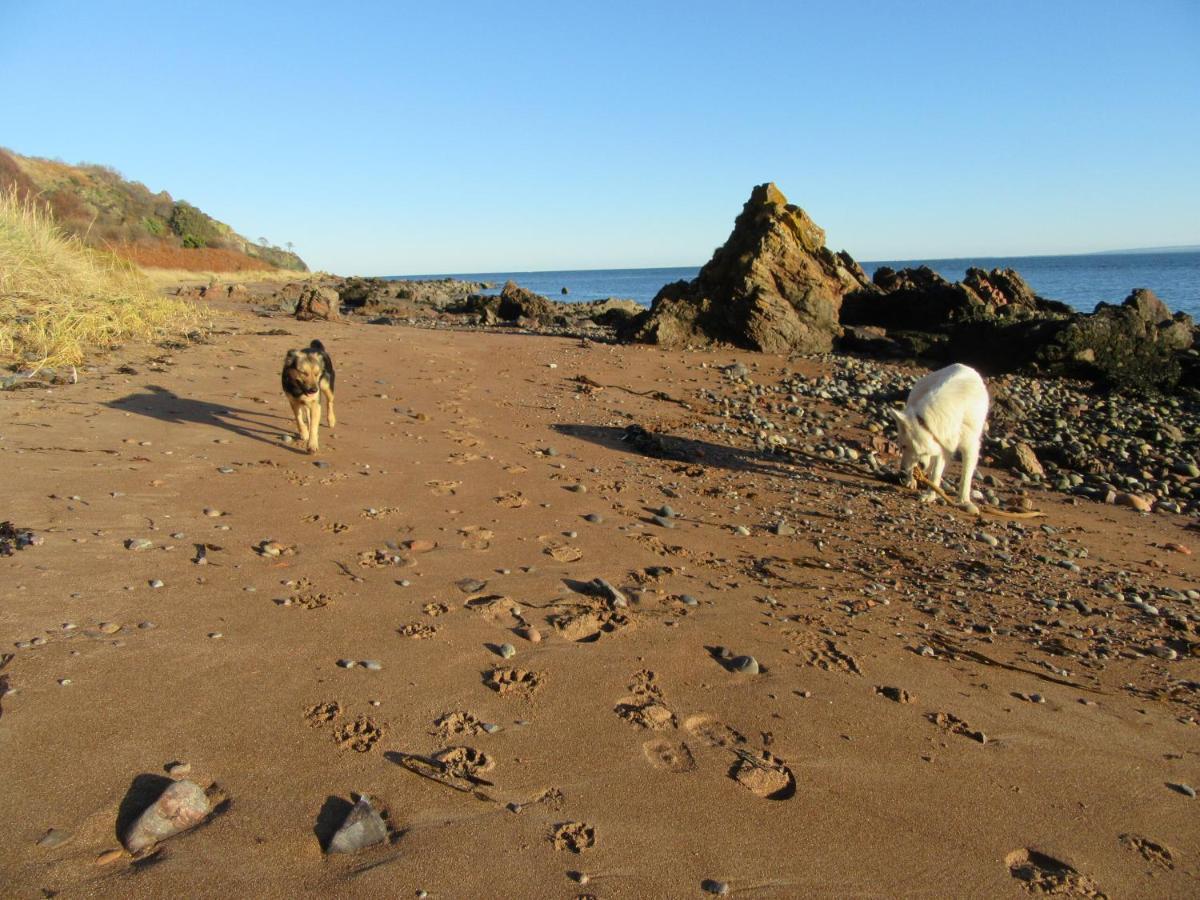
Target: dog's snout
<point>310,391</point>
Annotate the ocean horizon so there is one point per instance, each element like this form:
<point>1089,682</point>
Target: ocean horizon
<point>1080,280</point>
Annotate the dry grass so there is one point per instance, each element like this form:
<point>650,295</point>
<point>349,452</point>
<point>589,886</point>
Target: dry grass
<point>164,278</point>
<point>61,301</point>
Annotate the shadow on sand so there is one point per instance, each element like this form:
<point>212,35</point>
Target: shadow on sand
<point>166,406</point>
<point>671,448</point>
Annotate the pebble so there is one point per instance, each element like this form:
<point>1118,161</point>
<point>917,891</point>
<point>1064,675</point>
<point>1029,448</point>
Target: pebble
<point>745,664</point>
<point>156,583</point>
<point>530,634</point>
<point>489,727</point>
<point>108,856</point>
<point>138,544</point>
<point>55,837</point>
<point>688,600</point>
<point>782,529</point>
<point>720,888</point>
<point>346,663</point>
<point>662,521</point>
<point>594,518</point>
<point>215,635</point>
<point>577,488</point>
<point>742,531</point>
<point>371,665</point>
<point>1186,789</point>
<point>225,470</point>
<point>666,512</point>
<point>213,513</point>
<point>508,651</point>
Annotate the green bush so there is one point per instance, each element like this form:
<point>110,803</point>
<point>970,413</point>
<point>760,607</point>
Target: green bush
<point>153,226</point>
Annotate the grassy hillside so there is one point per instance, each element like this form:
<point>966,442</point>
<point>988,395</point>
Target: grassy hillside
<point>102,209</point>
<point>61,300</point>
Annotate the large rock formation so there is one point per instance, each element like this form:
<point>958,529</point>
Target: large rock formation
<point>774,286</point>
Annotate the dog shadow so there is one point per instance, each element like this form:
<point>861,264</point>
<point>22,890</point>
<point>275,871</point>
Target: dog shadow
<point>157,402</point>
<point>679,450</point>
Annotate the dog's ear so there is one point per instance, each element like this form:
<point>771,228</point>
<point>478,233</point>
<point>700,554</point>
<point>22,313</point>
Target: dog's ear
<point>292,356</point>
<point>900,417</point>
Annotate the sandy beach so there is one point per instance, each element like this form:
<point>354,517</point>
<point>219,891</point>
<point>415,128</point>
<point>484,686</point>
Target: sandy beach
<point>943,707</point>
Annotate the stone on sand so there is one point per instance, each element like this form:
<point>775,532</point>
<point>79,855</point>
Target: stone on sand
<point>181,806</point>
<point>363,827</point>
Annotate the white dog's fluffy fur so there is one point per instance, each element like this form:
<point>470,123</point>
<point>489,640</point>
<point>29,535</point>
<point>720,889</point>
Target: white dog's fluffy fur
<point>945,414</point>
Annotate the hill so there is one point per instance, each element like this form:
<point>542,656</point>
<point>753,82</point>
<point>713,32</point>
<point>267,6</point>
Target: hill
<point>105,210</point>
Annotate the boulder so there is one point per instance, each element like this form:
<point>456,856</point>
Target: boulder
<point>773,286</point>
<point>317,303</point>
<point>517,302</point>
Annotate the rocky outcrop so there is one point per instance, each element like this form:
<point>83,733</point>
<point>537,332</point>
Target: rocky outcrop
<point>922,300</point>
<point>1134,345</point>
<point>995,322</point>
<point>773,286</point>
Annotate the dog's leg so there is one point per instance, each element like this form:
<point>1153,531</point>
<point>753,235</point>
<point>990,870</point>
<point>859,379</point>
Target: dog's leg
<point>298,412</point>
<point>314,424</point>
<point>937,467</point>
<point>970,455</point>
<point>330,416</point>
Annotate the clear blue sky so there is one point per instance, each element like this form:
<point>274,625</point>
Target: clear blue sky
<point>457,137</point>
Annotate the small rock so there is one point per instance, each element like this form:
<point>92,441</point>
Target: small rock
<point>55,837</point>
<point>371,665</point>
<point>783,529</point>
<point>662,521</point>
<point>720,888</point>
<point>156,582</point>
<point>1186,789</point>
<point>345,663</point>
<point>530,634</point>
<point>742,531</point>
<point>508,651</point>
<point>745,664</point>
<point>594,518</point>
<point>138,544</point>
<point>1133,501</point>
<point>363,827</point>
<point>108,856</point>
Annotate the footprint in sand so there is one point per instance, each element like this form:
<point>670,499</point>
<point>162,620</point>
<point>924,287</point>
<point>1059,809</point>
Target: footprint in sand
<point>443,488</point>
<point>1159,854</point>
<point>512,500</point>
<point>574,836</point>
<point>359,735</point>
<point>309,601</point>
<point>764,775</point>
<point>1043,874</point>
<point>322,713</point>
<point>589,625</point>
<point>645,708</point>
<point>509,682</point>
<point>464,761</point>
<point>952,724</point>
<point>672,756</point>
<point>821,652</point>
<point>713,732</point>
<point>476,537</point>
<point>456,723</point>
<point>418,631</point>
<point>435,609</point>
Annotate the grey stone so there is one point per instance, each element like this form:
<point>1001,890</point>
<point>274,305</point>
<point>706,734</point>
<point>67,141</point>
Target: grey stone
<point>183,805</point>
<point>363,827</point>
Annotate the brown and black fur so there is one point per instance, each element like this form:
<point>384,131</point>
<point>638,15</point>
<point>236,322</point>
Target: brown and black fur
<point>307,374</point>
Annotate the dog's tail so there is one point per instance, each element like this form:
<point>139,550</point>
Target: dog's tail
<point>317,345</point>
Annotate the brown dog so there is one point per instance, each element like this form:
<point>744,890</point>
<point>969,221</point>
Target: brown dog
<point>307,374</point>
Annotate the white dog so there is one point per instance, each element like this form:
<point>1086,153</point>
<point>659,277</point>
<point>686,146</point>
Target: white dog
<point>945,414</point>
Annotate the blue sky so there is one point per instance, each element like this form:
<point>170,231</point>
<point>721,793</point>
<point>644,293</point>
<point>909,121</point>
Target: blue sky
<point>457,137</point>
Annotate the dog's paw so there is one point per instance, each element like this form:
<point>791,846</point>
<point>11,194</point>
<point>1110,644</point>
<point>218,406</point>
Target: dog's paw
<point>908,480</point>
<point>970,508</point>
<point>332,421</point>
<point>928,497</point>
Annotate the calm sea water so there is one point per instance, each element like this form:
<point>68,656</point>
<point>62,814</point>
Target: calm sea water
<point>1082,280</point>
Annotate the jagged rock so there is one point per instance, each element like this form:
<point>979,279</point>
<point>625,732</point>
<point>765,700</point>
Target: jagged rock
<point>317,303</point>
<point>773,286</point>
<point>181,806</point>
<point>363,827</point>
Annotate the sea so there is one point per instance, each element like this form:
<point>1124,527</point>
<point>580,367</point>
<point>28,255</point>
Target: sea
<point>1081,280</point>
